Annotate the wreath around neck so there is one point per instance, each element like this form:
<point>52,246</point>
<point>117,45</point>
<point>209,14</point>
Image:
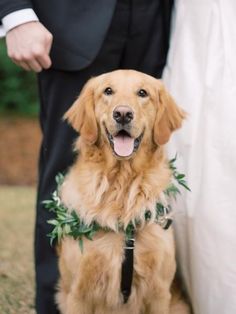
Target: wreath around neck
<point>68,223</point>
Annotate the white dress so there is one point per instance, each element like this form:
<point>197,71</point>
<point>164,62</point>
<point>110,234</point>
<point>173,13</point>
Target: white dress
<point>201,75</point>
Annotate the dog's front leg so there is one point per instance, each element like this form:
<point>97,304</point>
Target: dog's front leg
<point>75,306</point>
<point>161,305</point>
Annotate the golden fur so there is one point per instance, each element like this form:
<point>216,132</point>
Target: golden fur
<point>107,188</point>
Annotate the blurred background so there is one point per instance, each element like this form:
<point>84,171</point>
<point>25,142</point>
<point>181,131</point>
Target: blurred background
<point>19,145</point>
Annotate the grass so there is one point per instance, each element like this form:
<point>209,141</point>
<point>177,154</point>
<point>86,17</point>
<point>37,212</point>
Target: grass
<point>16,250</point>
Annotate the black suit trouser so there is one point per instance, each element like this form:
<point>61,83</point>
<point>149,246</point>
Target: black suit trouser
<point>137,39</point>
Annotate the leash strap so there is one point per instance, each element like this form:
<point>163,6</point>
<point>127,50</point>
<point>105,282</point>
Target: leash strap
<point>127,267</point>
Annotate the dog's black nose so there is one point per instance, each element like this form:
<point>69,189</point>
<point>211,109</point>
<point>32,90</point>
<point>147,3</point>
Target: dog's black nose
<point>123,114</point>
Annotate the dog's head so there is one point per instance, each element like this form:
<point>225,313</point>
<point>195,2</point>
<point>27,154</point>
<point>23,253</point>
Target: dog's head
<point>125,109</point>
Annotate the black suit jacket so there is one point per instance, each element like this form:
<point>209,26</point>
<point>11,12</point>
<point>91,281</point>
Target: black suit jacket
<point>78,26</point>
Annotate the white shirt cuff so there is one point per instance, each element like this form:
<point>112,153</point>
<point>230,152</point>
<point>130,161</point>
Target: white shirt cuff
<point>17,18</point>
<point>2,31</point>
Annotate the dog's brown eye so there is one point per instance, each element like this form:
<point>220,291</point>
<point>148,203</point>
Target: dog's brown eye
<point>108,91</point>
<point>142,93</point>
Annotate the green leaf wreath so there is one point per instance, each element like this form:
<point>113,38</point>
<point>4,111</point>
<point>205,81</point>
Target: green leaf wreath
<point>68,223</point>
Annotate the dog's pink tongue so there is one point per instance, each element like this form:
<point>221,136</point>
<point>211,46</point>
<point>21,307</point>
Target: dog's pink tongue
<point>123,145</point>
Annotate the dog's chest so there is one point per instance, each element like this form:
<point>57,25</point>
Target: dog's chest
<point>122,201</point>
<point>98,268</point>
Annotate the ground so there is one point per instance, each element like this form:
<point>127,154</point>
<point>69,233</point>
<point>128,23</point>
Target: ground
<point>16,250</point>
<point>19,146</point>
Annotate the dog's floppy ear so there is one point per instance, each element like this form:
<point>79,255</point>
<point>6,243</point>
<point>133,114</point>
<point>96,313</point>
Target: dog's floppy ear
<point>169,116</point>
<point>81,115</point>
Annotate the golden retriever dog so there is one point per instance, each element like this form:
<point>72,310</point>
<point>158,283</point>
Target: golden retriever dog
<point>124,118</point>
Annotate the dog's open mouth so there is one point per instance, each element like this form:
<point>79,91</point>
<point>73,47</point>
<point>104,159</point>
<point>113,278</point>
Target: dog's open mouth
<point>123,144</point>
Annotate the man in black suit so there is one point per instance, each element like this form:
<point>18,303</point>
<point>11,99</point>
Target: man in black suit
<point>67,42</point>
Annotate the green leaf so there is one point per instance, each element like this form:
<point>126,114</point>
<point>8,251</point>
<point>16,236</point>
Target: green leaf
<point>180,176</point>
<point>59,179</point>
<point>61,216</point>
<point>59,233</point>
<point>51,241</point>
<point>173,160</point>
<point>67,229</point>
<point>185,185</point>
<point>81,244</point>
<point>90,235</point>
<point>53,222</point>
<point>47,202</point>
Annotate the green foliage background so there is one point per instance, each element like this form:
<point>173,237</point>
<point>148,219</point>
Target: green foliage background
<point>18,88</point>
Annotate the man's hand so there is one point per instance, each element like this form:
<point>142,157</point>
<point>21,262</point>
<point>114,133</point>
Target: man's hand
<point>29,45</point>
